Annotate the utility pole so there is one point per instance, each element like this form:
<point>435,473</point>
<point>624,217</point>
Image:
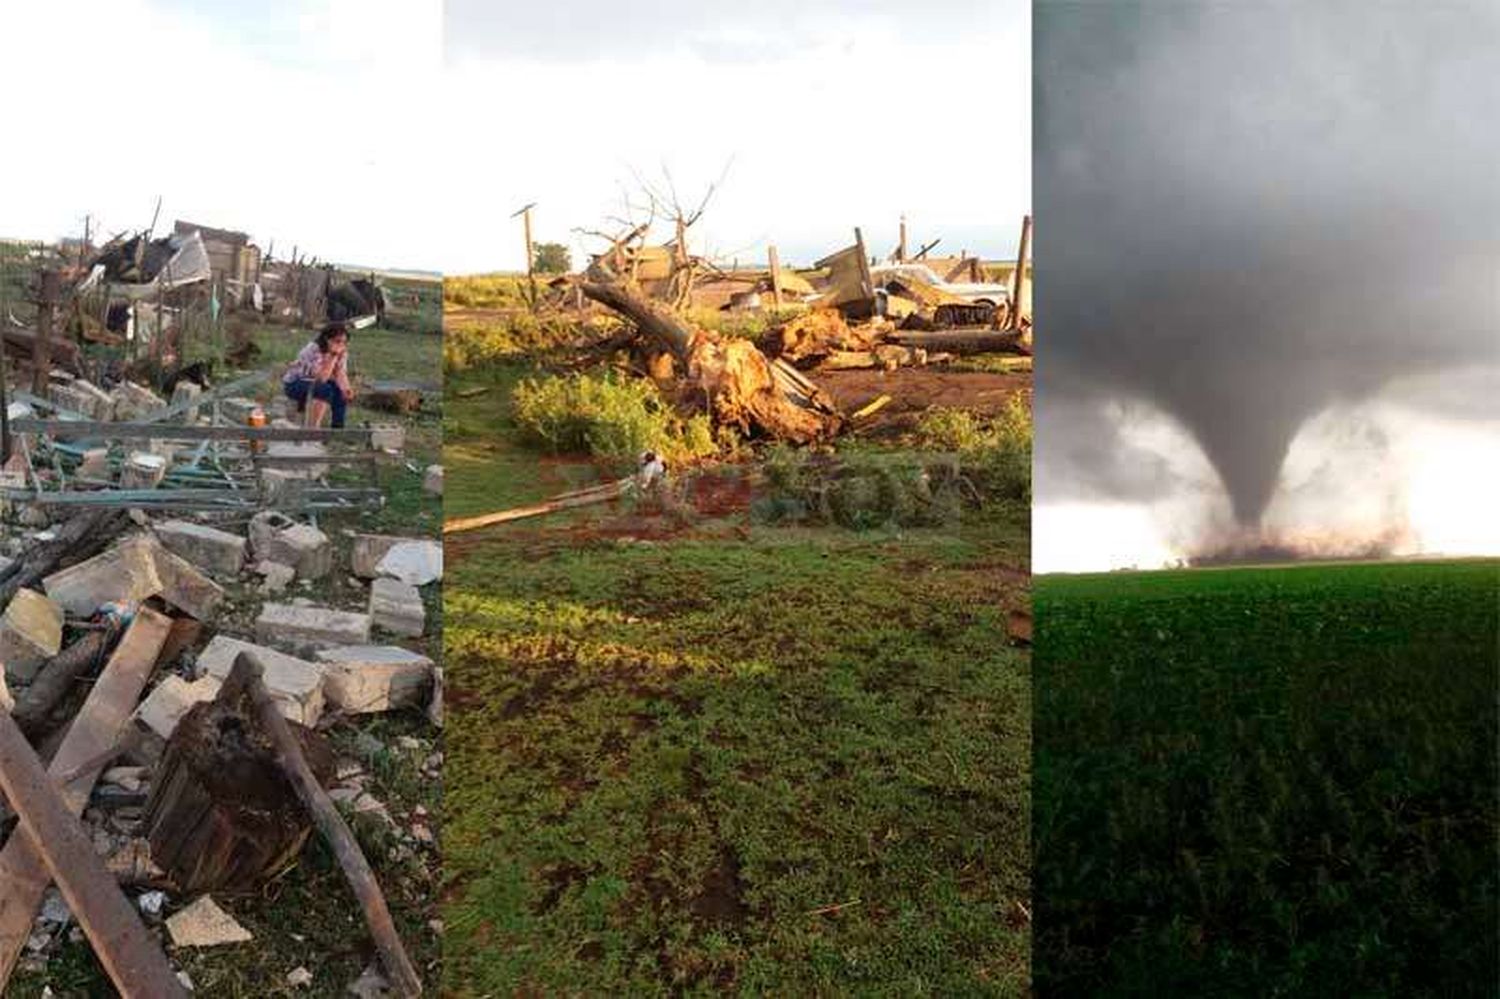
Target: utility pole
<point>1018,280</point>
<point>46,302</point>
<point>901,245</point>
<point>525,213</point>
<point>775,263</point>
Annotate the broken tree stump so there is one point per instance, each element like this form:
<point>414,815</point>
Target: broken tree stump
<point>222,814</point>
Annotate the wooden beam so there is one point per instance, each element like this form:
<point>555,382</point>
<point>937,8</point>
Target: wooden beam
<point>135,965</point>
<point>104,429</point>
<point>24,872</point>
<point>246,674</point>
<point>601,494</point>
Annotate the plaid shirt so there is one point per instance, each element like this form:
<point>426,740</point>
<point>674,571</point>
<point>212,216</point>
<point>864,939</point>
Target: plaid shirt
<point>306,366</point>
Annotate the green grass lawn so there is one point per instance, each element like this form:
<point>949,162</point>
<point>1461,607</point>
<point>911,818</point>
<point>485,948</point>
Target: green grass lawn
<point>1272,781</point>
<point>665,758</point>
<point>711,756</point>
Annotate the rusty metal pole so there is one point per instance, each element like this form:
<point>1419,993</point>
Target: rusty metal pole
<point>46,303</point>
<point>135,965</point>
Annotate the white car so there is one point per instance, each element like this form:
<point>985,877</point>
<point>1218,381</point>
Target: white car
<point>981,293</point>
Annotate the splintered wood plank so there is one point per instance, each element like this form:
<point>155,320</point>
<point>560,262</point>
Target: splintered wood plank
<point>133,962</point>
<point>23,874</point>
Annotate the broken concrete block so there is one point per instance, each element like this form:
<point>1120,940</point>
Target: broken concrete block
<point>275,537</point>
<point>388,437</point>
<point>300,449</point>
<point>95,464</point>
<point>132,401</point>
<point>305,627</point>
<point>397,607</point>
<point>238,409</point>
<point>142,470</point>
<point>370,678</point>
<point>82,397</point>
<point>416,563</point>
<point>186,392</point>
<point>369,549</point>
<point>185,587</point>
<point>304,548</point>
<point>125,574</point>
<point>217,552</point>
<point>295,684</point>
<point>263,527</point>
<point>204,924</point>
<point>174,697</point>
<point>30,634</point>
<point>432,480</point>
<point>277,577</point>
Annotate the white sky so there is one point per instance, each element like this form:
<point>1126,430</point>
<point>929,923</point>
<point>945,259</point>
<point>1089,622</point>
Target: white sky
<point>343,127</point>
<point>808,111</point>
<point>304,121</point>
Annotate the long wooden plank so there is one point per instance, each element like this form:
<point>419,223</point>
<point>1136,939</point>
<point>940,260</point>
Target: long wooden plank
<point>600,495</point>
<point>137,966</point>
<point>23,873</point>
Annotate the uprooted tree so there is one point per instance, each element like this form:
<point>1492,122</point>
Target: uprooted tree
<point>738,385</point>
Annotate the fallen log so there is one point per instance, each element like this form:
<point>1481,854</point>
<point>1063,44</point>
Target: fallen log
<point>24,873</point>
<point>245,675</point>
<point>80,537</point>
<point>963,341</point>
<point>49,828</point>
<point>56,677</point>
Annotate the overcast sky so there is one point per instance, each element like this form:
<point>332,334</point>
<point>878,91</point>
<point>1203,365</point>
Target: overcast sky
<point>1266,289</point>
<point>818,118</point>
<point>307,122</point>
<point>397,133</point>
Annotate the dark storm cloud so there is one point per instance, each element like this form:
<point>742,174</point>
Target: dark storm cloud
<point>721,30</point>
<point>1248,212</point>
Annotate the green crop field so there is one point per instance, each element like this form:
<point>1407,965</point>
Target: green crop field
<point>1276,781</point>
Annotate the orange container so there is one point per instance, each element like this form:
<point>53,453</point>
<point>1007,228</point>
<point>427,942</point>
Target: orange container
<point>257,419</point>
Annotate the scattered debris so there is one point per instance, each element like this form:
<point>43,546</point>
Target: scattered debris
<point>204,924</point>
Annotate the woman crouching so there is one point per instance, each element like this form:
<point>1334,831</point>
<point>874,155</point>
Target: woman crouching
<point>320,376</point>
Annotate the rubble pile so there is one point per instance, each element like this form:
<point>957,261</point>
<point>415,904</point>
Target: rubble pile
<point>129,649</point>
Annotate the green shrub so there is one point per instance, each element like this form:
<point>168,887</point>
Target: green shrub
<point>861,490</point>
<point>609,417</point>
<point>995,452</point>
<point>520,334</point>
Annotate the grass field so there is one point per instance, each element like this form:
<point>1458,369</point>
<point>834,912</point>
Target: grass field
<point>707,756</point>
<point>1273,781</point>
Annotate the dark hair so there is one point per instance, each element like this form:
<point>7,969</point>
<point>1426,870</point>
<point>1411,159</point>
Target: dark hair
<point>328,333</point>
